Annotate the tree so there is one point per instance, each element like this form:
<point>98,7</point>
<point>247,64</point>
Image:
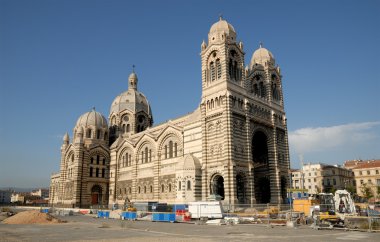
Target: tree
<point>366,191</point>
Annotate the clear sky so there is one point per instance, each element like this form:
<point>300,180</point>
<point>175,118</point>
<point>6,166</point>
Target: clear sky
<point>60,58</point>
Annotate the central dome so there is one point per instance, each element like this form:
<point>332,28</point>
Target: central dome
<point>131,100</point>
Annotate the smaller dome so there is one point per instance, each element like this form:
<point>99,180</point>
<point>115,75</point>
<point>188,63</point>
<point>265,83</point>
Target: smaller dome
<point>92,119</point>
<point>222,26</point>
<point>262,56</point>
<point>220,31</point>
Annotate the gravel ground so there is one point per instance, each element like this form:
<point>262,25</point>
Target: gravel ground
<point>89,228</point>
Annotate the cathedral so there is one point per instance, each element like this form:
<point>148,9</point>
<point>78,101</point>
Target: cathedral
<point>233,147</point>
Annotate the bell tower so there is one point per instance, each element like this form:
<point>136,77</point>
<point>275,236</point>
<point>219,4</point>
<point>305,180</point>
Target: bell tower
<point>222,81</point>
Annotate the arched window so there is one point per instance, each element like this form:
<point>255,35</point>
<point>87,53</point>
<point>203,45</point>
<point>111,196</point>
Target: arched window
<point>125,190</point>
<point>179,186</point>
<point>130,160</point>
<point>170,187</point>
<point>166,151</point>
<point>151,189</point>
<point>97,172</point>
<point>130,190</point>
<point>162,188</point>
<point>275,94</point>
<point>255,89</point>
<point>98,134</point>
<point>212,71</point>
<point>175,149</point>
<point>142,157</point>
<point>218,69</point>
<point>128,127</point>
<point>144,189</point>
<point>89,131</point>
<point>146,154</point>
<point>262,89</point>
<point>103,172</point>
<point>170,149</point>
<point>150,155</point>
<point>123,128</point>
<point>139,190</point>
<point>188,185</point>
<point>105,136</point>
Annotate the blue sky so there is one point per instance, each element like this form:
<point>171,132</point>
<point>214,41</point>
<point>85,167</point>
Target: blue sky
<point>58,59</point>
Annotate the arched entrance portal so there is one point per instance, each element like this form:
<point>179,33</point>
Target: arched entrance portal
<point>217,186</point>
<point>96,195</point>
<point>240,189</point>
<point>261,167</point>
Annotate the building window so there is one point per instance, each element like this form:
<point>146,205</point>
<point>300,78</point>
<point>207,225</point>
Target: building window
<point>360,173</point>
<point>130,190</point>
<point>218,69</point>
<point>104,161</point>
<point>212,71</point>
<point>175,149</point>
<point>361,181</point>
<point>179,186</point>
<point>151,189</point>
<point>146,154</point>
<point>144,189</point>
<point>103,172</point>
<point>162,188</point>
<point>170,149</point>
<point>166,151</point>
<point>98,134</point>
<point>97,159</point>
<point>139,190</point>
<point>377,172</point>
<point>89,131</point>
<point>97,172</point>
<point>188,185</point>
<point>334,181</point>
<point>91,170</point>
<point>92,160</point>
<point>128,128</point>
<point>105,136</point>
<point>369,181</point>
<point>170,187</point>
<point>368,172</point>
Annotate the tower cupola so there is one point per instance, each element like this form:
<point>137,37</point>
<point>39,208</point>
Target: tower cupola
<point>221,31</point>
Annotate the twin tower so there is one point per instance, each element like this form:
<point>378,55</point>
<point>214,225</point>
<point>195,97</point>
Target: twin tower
<point>233,147</point>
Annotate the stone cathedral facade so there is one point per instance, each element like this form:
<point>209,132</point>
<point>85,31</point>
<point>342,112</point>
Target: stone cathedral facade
<point>234,146</point>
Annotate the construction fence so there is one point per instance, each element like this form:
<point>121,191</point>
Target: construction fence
<point>320,216</point>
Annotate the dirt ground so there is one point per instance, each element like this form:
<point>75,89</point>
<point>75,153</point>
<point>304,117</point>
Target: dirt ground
<point>31,217</point>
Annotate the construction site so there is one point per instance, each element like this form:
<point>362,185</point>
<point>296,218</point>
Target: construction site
<point>326,216</point>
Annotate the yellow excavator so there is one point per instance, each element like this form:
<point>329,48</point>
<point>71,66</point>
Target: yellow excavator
<point>128,205</point>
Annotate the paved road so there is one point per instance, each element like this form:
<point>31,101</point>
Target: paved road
<point>86,228</point>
